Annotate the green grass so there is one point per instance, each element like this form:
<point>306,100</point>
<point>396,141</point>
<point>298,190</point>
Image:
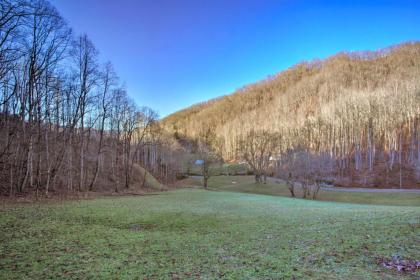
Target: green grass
<point>247,184</point>
<point>193,234</point>
<point>222,169</point>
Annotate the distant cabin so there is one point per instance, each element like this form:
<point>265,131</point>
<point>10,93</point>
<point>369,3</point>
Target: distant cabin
<point>199,162</point>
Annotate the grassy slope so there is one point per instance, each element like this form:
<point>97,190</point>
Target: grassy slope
<point>205,234</point>
<point>247,184</point>
<point>150,182</point>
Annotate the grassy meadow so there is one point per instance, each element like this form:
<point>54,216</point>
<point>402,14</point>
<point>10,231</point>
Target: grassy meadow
<point>220,169</point>
<point>197,234</point>
<point>247,184</point>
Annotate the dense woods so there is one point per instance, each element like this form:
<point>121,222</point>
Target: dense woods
<point>352,119</point>
<point>66,122</point>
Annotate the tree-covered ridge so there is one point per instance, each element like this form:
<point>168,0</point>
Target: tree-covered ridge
<point>356,115</point>
<point>66,120</point>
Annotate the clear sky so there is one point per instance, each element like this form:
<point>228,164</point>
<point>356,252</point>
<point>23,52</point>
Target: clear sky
<point>174,53</point>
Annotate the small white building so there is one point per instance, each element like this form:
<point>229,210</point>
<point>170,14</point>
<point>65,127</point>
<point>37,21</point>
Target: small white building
<point>199,162</point>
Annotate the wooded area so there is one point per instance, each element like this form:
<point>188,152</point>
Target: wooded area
<point>352,119</point>
<point>66,122</point>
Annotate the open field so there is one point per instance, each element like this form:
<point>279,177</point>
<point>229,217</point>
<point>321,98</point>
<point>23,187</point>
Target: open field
<point>221,169</point>
<point>247,184</point>
<point>191,233</point>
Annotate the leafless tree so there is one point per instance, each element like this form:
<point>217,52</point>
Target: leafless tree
<point>257,148</point>
<point>108,80</point>
<point>85,55</point>
<point>208,152</point>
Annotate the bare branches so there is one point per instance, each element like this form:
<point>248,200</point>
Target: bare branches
<point>65,116</point>
<point>257,148</point>
<point>207,148</point>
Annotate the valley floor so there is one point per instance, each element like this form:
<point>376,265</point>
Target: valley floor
<point>193,234</point>
<point>277,187</point>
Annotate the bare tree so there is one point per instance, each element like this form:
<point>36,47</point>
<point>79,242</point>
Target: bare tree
<point>85,55</point>
<point>257,148</point>
<point>208,152</point>
<point>291,184</point>
<point>108,79</point>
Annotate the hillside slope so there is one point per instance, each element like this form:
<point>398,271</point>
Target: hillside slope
<point>359,111</point>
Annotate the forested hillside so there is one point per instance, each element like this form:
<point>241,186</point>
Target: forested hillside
<point>66,121</point>
<point>353,118</point>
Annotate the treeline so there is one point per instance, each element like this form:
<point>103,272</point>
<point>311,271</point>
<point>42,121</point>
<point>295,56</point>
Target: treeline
<point>353,118</point>
<point>66,122</point>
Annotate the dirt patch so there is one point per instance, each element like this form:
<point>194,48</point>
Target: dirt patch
<point>401,265</point>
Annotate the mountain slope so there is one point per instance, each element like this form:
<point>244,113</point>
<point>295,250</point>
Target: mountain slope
<point>360,109</point>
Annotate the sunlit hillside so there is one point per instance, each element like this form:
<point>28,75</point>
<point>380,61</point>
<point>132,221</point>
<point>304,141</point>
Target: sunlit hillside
<point>356,113</point>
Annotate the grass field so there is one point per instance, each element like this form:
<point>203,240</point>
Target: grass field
<point>221,169</point>
<point>193,234</point>
<point>247,184</point>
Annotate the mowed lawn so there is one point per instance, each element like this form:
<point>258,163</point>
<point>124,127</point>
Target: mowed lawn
<point>198,234</point>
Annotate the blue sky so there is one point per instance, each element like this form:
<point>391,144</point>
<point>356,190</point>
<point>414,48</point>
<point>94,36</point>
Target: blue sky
<point>174,53</point>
